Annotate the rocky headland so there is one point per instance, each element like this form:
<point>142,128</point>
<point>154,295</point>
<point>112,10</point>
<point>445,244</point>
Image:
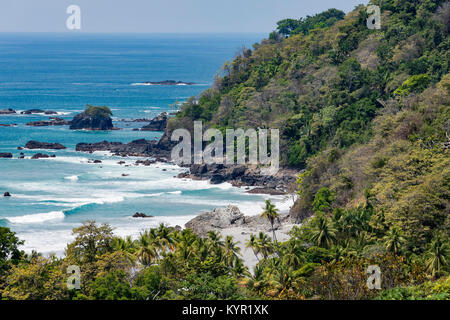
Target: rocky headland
<point>93,118</point>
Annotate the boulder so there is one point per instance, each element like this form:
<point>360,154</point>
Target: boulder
<point>7,194</point>
<point>40,155</point>
<point>93,118</point>
<point>44,145</point>
<point>141,215</point>
<point>219,218</point>
<point>6,155</point>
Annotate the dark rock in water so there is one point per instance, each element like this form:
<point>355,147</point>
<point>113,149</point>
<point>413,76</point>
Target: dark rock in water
<point>6,155</point>
<point>52,122</point>
<point>40,155</point>
<point>8,125</point>
<point>33,111</point>
<point>7,194</point>
<point>125,175</point>
<point>158,123</point>
<point>97,161</point>
<point>19,148</point>
<point>136,148</point>
<point>8,111</point>
<point>98,146</point>
<point>141,215</point>
<point>22,155</point>
<point>121,162</point>
<point>145,162</point>
<point>43,145</point>
<point>169,83</point>
<point>93,118</point>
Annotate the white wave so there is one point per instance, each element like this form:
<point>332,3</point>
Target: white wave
<point>72,178</point>
<point>37,218</point>
<point>142,84</point>
<point>175,192</point>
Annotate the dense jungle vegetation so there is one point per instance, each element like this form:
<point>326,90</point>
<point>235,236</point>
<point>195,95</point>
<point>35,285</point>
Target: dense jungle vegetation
<point>364,116</point>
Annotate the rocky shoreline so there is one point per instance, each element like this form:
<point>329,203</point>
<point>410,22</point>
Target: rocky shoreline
<point>232,217</point>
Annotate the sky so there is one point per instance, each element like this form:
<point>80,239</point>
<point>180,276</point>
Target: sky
<point>160,16</point>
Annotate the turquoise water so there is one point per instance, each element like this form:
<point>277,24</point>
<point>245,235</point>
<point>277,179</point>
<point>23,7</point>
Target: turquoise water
<point>63,73</point>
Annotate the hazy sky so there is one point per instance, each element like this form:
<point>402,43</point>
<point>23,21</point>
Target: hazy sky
<point>160,15</point>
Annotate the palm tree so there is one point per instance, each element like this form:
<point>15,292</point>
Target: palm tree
<point>271,213</point>
<point>215,240</point>
<point>292,254</point>
<point>265,246</point>
<point>231,251</point>
<point>253,244</point>
<point>437,257</point>
<point>324,235</point>
<point>394,240</point>
<point>147,252</point>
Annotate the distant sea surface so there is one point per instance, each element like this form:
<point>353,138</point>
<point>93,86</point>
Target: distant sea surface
<point>63,73</point>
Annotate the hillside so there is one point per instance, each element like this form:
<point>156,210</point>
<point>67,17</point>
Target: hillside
<point>363,111</point>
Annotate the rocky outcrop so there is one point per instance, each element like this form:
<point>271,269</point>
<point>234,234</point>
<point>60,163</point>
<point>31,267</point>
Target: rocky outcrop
<point>158,123</point>
<point>231,216</point>
<point>93,118</point>
<point>7,194</point>
<point>44,145</point>
<point>219,218</point>
<point>8,111</point>
<point>39,111</point>
<point>141,215</point>
<point>240,175</point>
<point>136,148</point>
<point>6,155</point>
<point>8,125</point>
<point>51,122</point>
<point>42,156</point>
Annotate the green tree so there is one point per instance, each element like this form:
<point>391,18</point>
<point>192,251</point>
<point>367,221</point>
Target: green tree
<point>271,213</point>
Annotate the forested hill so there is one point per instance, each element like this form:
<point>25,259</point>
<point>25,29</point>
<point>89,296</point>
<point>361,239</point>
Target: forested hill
<point>364,111</point>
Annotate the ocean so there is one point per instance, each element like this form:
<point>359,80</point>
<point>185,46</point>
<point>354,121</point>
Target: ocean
<point>63,73</point>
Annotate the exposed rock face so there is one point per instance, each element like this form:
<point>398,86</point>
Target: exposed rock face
<point>158,123</point>
<point>6,155</point>
<point>52,122</point>
<point>229,217</point>
<point>93,118</point>
<point>141,215</point>
<point>44,145</point>
<point>33,111</point>
<point>219,218</point>
<point>8,111</point>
